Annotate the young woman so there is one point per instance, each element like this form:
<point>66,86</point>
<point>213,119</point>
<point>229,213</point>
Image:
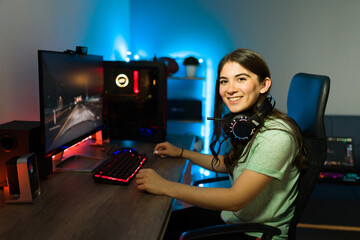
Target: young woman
<point>263,165</point>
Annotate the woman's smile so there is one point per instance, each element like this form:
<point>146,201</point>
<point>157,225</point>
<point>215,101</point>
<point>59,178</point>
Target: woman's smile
<point>234,99</point>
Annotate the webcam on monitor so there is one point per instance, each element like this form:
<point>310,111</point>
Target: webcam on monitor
<point>82,51</point>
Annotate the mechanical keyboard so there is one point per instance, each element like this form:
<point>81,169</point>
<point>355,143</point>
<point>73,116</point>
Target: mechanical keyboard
<point>120,168</point>
<point>339,177</point>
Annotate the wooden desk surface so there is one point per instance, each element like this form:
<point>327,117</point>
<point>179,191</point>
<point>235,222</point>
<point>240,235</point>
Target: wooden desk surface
<point>72,206</point>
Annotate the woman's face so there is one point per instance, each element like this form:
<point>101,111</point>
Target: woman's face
<point>239,88</point>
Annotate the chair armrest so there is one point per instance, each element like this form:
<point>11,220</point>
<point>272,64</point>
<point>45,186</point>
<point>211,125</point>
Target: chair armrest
<point>210,180</point>
<point>220,232</point>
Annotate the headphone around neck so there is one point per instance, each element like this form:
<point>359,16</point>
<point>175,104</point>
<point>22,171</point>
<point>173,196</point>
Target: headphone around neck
<point>242,126</point>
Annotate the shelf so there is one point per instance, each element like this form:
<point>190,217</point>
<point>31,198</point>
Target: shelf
<point>186,78</point>
<point>185,121</point>
<point>186,100</point>
<point>185,110</point>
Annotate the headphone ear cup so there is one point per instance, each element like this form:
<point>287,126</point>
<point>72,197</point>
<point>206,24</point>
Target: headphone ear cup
<point>244,126</point>
<point>226,124</point>
<point>240,126</point>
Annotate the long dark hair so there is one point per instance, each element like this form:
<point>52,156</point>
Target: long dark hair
<point>253,62</point>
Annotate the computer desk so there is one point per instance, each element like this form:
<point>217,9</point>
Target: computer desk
<point>72,206</point>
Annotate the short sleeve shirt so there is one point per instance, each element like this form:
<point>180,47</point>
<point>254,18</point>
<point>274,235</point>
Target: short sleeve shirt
<point>272,154</point>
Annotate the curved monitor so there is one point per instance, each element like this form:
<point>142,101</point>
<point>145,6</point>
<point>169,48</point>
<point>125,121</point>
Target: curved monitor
<point>71,98</point>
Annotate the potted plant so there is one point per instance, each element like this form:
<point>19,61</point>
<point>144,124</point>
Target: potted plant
<point>190,64</point>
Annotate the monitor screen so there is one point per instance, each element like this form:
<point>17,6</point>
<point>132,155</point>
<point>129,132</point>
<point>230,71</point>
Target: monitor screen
<point>71,98</point>
<point>340,156</point>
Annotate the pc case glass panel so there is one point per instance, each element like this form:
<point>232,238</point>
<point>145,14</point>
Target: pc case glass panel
<point>135,100</point>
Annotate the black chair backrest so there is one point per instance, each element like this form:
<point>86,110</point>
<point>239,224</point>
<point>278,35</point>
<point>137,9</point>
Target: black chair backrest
<point>306,103</point>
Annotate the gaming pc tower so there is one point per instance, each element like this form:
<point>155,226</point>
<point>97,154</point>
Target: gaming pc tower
<point>135,100</point>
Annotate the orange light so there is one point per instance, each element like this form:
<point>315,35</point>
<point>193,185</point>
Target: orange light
<point>72,146</point>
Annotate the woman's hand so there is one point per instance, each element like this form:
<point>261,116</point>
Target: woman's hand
<point>167,149</point>
<point>150,181</point>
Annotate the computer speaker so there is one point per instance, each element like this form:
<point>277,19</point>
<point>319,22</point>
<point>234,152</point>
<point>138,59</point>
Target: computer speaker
<point>23,179</point>
<point>18,138</point>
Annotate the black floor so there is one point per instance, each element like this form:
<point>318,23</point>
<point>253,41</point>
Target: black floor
<point>336,207</point>
<point>313,234</point>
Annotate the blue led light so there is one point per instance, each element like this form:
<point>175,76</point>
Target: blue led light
<point>145,131</point>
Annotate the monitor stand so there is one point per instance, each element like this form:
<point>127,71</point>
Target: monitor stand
<point>78,163</point>
<point>99,142</point>
<point>85,156</point>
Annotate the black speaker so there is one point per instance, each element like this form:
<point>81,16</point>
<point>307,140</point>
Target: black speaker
<point>135,100</point>
<point>18,138</point>
<point>23,178</point>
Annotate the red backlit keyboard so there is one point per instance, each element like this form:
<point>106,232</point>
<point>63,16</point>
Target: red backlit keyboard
<point>120,168</point>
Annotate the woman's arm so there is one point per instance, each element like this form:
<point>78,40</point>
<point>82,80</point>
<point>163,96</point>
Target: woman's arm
<point>247,186</point>
<point>203,160</point>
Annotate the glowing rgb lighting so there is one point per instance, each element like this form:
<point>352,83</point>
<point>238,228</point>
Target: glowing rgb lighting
<point>122,80</point>
<point>136,81</point>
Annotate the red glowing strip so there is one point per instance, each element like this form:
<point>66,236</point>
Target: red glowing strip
<point>72,146</point>
<point>136,81</point>
<point>132,175</point>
